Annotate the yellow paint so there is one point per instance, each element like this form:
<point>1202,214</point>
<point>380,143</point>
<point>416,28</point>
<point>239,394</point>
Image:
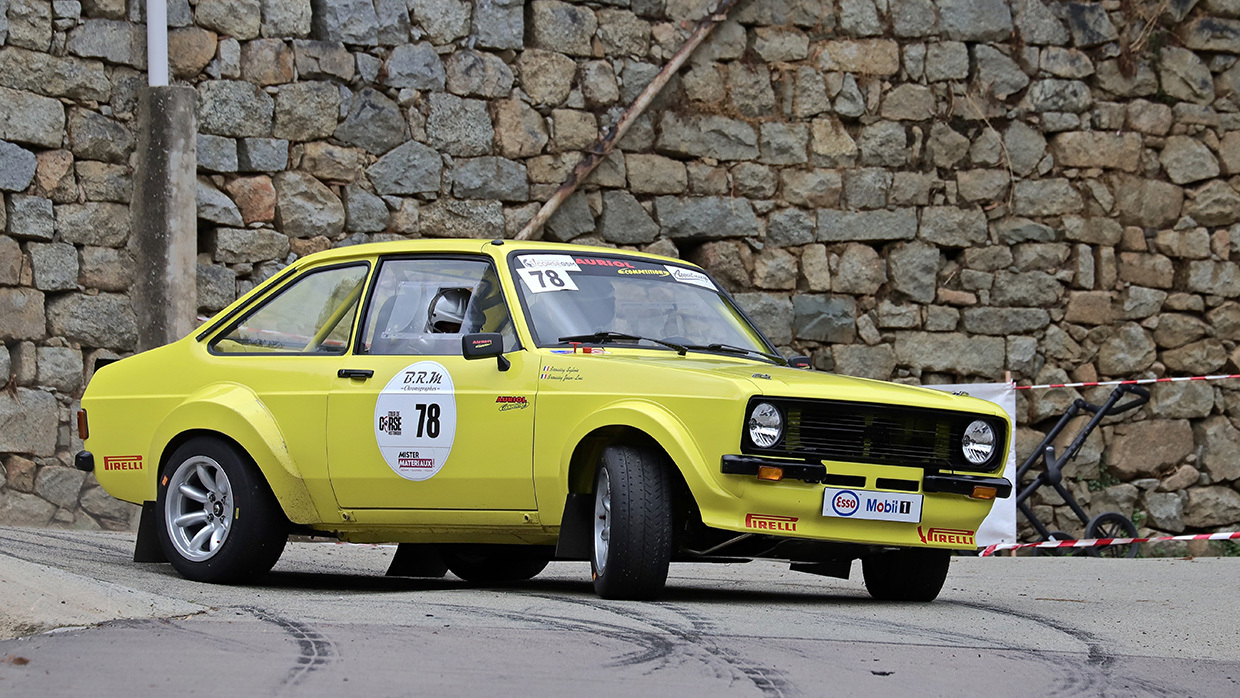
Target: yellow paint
<point>313,434</point>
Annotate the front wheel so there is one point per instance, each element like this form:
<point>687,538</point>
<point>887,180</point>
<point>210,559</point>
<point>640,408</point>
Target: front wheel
<point>205,488</point>
<point>1112,525</point>
<point>632,524</point>
<point>908,574</point>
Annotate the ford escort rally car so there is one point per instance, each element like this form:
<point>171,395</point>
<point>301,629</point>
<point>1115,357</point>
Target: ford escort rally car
<point>493,406</point>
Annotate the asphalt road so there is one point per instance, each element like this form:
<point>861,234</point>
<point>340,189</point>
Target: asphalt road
<point>326,622</point>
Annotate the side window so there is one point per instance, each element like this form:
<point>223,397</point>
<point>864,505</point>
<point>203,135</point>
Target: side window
<point>312,315</point>
<point>424,306</point>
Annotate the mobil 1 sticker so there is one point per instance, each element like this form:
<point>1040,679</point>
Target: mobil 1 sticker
<point>873,506</point>
<point>415,420</point>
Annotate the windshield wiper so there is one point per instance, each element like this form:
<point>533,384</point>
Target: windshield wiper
<point>730,349</point>
<point>605,336</point>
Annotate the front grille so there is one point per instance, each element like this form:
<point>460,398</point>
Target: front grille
<point>859,432</point>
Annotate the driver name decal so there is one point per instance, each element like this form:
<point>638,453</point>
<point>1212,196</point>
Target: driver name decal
<point>415,420</point>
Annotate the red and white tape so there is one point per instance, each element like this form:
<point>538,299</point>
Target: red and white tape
<point>1099,542</point>
<point>1142,381</point>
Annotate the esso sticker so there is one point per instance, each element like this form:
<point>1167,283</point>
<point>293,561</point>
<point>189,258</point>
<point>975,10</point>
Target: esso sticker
<point>845,503</point>
<point>415,420</point>
<point>543,280</point>
<point>689,276</point>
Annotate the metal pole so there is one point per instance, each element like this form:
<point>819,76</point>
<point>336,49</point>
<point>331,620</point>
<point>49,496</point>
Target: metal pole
<point>157,42</point>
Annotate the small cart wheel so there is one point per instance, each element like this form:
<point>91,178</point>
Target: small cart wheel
<point>908,574</point>
<point>1112,525</point>
<point>1056,552</point>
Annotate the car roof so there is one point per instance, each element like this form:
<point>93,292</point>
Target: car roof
<point>495,248</point>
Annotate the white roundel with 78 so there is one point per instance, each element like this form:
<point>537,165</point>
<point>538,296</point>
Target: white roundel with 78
<point>415,420</point>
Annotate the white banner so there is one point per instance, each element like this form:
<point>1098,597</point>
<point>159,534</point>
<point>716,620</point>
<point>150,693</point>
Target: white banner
<point>1000,525</point>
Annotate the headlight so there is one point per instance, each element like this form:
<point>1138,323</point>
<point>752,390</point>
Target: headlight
<point>978,442</point>
<point>766,425</point>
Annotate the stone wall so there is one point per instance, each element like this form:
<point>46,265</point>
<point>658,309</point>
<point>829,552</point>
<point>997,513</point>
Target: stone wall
<point>916,190</point>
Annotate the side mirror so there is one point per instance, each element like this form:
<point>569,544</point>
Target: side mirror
<point>484,345</point>
<point>802,362</point>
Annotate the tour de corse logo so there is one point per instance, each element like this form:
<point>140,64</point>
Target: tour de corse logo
<point>845,503</point>
<point>390,423</point>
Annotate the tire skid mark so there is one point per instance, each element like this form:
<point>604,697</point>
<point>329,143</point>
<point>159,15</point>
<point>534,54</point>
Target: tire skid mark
<point>315,651</point>
<point>770,681</point>
<point>1098,677</point>
<point>652,647</point>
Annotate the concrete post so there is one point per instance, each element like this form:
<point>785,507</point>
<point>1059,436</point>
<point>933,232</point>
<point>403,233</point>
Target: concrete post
<point>164,213</point>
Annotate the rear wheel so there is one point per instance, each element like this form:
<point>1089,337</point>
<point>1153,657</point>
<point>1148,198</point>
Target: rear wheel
<point>204,489</point>
<point>632,524</point>
<point>908,574</point>
<point>1112,525</point>
<point>493,564</point>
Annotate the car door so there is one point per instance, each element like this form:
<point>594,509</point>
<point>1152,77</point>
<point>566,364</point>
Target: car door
<point>411,423</point>
<point>286,348</point>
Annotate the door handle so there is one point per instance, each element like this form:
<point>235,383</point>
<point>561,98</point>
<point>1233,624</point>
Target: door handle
<point>360,373</point>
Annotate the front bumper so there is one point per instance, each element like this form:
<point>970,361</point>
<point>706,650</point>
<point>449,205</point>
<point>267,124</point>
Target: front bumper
<point>792,506</point>
<point>817,473</point>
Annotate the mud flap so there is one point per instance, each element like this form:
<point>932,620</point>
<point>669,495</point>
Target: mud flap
<point>147,547</point>
<point>576,540</point>
<point>833,568</point>
<point>417,560</point>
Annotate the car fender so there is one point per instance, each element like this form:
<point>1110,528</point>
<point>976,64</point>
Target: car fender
<point>660,424</point>
<point>237,412</point>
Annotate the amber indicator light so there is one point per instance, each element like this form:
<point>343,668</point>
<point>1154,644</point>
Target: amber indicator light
<point>770,472</point>
<point>982,492</point>
<point>83,427</point>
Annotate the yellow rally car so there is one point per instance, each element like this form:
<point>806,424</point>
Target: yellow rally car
<point>492,406</point>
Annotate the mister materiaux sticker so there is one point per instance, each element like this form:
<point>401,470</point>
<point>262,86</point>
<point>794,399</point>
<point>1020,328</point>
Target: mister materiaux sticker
<point>415,420</point>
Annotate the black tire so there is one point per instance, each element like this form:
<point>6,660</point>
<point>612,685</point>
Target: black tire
<point>908,574</point>
<point>630,561</point>
<point>1056,552</point>
<point>493,564</point>
<point>1112,525</point>
<point>250,544</point>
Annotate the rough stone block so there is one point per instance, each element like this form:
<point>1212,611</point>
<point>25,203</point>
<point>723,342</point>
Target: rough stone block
<point>240,19</point>
<point>847,226</point>
<point>236,245</point>
<point>30,217</point>
<point>347,21</point>
<point>21,316</point>
<point>950,226</point>
<point>91,223</point>
<point>624,221</point>
<point>862,56</point>
<point>705,218</point>
<point>409,169</point>
<point>499,24</point>
<point>30,419</point>
<point>707,136</point>
<point>105,268</point>
<point>285,18</point>
<point>305,207</point>
<point>234,108</point>
<point>55,266</point>
<point>771,312</point>
<point>451,218</point>
<point>216,153</point>
<point>31,119</point>
<point>490,178</point>
<point>951,352</point>
<point>374,123</point>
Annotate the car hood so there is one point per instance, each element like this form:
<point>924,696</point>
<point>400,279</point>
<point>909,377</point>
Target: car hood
<point>769,379</point>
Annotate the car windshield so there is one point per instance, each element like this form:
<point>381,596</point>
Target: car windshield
<point>603,299</point>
